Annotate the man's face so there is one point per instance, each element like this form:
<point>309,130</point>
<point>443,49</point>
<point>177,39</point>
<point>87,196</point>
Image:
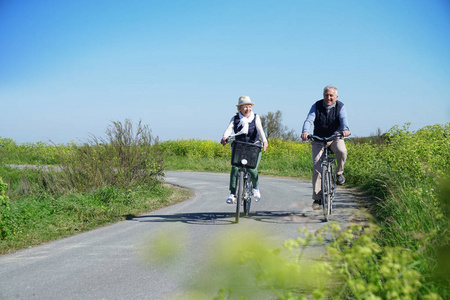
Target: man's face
<point>330,97</point>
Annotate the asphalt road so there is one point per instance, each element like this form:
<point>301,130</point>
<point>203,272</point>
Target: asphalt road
<point>114,262</point>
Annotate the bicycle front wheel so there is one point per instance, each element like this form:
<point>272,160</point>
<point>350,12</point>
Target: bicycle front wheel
<point>239,193</point>
<point>326,192</point>
<point>247,198</point>
<point>332,184</point>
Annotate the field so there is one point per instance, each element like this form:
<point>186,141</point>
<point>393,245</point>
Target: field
<point>402,254</point>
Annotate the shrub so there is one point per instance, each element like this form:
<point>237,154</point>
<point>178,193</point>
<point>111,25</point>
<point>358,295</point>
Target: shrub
<point>127,157</point>
<point>7,228</point>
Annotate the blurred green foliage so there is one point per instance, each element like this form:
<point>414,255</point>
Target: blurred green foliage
<point>245,264</point>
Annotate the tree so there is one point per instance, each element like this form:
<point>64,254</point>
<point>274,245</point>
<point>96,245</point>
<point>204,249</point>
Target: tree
<point>274,129</point>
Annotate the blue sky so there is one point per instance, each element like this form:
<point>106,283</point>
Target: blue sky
<point>69,68</point>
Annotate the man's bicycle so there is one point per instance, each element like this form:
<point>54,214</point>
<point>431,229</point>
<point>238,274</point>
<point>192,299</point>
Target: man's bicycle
<point>328,173</point>
<point>245,156</point>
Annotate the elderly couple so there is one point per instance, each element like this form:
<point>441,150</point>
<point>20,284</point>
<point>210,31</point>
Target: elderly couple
<point>326,115</point>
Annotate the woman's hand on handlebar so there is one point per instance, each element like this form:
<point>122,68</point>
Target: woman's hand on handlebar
<point>265,145</point>
<point>223,141</point>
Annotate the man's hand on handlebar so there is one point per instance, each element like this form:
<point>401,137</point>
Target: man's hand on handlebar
<point>338,134</point>
<point>346,133</point>
<point>305,136</point>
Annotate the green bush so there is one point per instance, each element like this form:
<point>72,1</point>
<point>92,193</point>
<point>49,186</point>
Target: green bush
<point>405,155</point>
<point>7,226</point>
<point>404,174</point>
<point>127,157</point>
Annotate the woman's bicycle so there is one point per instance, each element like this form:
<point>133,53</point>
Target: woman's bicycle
<point>328,173</point>
<point>244,155</point>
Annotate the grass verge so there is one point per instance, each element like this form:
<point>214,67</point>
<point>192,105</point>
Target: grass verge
<point>36,219</point>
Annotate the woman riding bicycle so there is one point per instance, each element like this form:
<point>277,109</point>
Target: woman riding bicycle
<point>245,126</point>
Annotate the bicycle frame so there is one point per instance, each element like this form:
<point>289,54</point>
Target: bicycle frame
<point>244,192</point>
<point>244,186</point>
<point>328,174</point>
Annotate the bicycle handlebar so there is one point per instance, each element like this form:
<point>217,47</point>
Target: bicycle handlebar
<point>258,143</point>
<point>325,139</point>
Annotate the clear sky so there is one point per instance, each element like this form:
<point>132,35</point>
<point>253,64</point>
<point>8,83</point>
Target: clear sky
<point>69,68</point>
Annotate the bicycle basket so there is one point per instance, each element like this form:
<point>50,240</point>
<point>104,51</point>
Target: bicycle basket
<point>246,151</point>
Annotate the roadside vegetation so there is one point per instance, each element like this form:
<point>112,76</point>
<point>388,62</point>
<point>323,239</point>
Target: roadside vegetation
<point>401,254</point>
<point>89,185</point>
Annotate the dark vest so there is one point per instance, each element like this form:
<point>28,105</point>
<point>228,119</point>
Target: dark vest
<point>252,135</point>
<point>327,123</point>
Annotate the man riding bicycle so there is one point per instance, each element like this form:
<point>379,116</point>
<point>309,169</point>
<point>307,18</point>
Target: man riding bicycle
<point>327,116</point>
<point>245,126</point>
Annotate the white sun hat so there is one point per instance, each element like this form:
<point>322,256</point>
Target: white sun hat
<point>244,100</point>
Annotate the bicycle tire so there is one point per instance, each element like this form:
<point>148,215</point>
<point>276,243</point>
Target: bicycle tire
<point>333,184</point>
<point>239,193</point>
<point>326,192</point>
<point>330,193</point>
<point>247,199</point>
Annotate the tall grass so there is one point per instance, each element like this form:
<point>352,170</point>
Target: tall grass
<point>40,216</point>
<point>405,176</point>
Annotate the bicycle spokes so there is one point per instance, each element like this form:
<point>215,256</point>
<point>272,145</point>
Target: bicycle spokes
<point>249,194</point>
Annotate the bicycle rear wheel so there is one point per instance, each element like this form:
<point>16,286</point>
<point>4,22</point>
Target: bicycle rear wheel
<point>326,192</point>
<point>239,193</point>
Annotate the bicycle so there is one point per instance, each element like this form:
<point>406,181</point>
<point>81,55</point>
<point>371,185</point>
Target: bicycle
<point>328,173</point>
<point>245,156</point>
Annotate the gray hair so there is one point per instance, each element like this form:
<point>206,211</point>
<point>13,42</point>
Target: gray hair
<point>330,87</point>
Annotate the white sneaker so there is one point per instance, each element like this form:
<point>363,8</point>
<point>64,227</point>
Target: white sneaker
<point>316,204</point>
<point>231,199</point>
<point>256,194</point>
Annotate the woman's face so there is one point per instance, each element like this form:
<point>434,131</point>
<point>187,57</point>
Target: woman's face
<point>246,110</point>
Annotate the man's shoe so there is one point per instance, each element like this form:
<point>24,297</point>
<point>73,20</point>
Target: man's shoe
<point>256,194</point>
<point>231,199</point>
<point>316,205</point>
<point>340,179</point>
